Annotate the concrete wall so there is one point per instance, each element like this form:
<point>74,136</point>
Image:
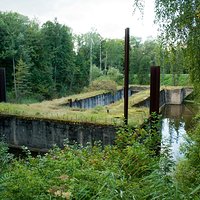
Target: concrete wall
<point>177,96</point>
<point>168,97</point>
<point>146,102</point>
<point>99,100</point>
<point>43,134</point>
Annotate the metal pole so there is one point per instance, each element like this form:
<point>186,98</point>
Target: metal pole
<point>155,89</point>
<point>126,76</point>
<point>2,85</point>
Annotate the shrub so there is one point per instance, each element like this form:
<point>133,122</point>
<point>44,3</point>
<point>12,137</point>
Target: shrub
<point>107,85</point>
<point>115,75</point>
<point>128,170</point>
<point>95,72</point>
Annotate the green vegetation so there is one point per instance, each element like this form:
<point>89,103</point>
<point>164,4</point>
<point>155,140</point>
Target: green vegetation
<point>82,173</point>
<point>45,62</point>
<point>167,80</point>
<point>179,23</point>
<point>56,110</point>
<point>48,61</point>
<point>128,170</point>
<point>182,80</point>
<point>103,84</point>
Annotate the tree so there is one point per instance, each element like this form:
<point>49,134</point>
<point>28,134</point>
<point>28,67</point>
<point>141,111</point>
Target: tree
<point>142,56</point>
<point>143,73</point>
<point>12,28</point>
<point>113,54</point>
<point>89,53</point>
<point>180,25</point>
<point>58,53</point>
<point>22,79</point>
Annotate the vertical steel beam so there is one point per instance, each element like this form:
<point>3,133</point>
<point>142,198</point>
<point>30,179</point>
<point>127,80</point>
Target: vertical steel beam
<point>2,85</point>
<point>126,75</point>
<point>155,89</point>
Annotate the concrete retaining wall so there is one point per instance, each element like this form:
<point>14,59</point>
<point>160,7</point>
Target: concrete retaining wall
<point>168,97</point>
<point>43,134</point>
<point>177,96</point>
<point>99,100</point>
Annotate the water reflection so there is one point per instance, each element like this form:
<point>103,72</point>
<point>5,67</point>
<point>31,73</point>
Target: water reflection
<point>176,121</point>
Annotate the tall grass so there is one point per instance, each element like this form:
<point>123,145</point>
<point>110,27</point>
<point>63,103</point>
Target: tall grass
<point>128,170</point>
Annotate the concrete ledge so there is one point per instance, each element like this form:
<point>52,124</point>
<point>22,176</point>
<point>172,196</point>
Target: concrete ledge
<point>168,96</point>
<point>43,134</point>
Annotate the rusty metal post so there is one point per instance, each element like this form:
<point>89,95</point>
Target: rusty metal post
<point>155,89</point>
<point>2,85</point>
<point>126,75</point>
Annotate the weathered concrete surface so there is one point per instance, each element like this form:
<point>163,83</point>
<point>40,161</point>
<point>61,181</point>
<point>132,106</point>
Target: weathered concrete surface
<point>168,97</point>
<point>99,100</point>
<point>176,96</point>
<point>43,134</point>
<point>104,99</point>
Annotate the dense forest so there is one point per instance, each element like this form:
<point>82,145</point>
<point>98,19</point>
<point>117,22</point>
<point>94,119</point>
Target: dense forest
<point>47,61</point>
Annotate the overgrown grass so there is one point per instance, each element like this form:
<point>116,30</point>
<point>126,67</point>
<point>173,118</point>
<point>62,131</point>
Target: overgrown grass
<point>123,171</point>
<point>128,170</point>
<point>55,109</point>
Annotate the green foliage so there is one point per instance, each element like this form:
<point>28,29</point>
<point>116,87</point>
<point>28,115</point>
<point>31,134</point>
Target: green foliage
<point>5,157</point>
<point>71,173</point>
<point>180,26</point>
<point>182,80</point>
<point>128,170</point>
<point>113,54</point>
<point>22,79</point>
<point>104,84</point>
<point>95,73</point>
<point>115,75</point>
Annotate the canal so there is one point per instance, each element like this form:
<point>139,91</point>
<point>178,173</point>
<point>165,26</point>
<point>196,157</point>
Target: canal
<point>177,120</point>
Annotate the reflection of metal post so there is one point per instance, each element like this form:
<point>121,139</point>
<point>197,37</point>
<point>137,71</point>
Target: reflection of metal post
<point>2,85</point>
<point>155,89</point>
<point>126,76</point>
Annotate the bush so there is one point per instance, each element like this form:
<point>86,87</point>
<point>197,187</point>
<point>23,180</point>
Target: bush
<point>128,170</point>
<point>96,72</point>
<point>115,75</point>
<point>104,84</point>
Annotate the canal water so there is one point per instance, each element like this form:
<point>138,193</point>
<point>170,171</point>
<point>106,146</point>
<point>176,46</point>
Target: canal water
<point>176,122</point>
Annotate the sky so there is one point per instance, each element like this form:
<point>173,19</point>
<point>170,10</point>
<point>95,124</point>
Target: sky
<point>108,17</point>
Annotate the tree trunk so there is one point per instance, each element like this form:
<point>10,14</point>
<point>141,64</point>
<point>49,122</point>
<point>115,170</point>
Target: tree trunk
<point>14,77</point>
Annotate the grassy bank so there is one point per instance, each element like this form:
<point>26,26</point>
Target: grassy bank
<point>56,109</point>
<point>128,170</point>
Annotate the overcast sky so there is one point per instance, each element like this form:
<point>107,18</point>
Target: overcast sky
<point>109,17</point>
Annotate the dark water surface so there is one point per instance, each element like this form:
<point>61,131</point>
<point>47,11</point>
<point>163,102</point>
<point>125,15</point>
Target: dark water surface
<point>176,121</point>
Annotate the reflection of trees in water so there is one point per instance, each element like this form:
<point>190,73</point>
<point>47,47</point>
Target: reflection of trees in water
<point>179,117</point>
<point>175,126</point>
